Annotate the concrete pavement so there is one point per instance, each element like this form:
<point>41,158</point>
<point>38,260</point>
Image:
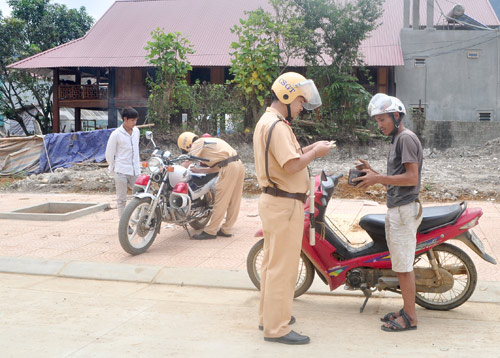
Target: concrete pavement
<point>63,317</point>
<point>190,298</point>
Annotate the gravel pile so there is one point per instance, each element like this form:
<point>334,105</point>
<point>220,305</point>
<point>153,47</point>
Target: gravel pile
<point>465,173</point>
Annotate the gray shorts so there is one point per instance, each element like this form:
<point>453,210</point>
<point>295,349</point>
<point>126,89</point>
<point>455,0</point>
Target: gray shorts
<point>401,224</point>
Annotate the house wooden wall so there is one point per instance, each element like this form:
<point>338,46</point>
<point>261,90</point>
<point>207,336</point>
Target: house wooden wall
<point>131,89</point>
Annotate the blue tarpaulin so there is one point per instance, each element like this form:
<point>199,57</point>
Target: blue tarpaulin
<point>64,149</point>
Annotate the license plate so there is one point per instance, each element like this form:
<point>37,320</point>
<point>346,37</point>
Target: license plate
<point>476,241</point>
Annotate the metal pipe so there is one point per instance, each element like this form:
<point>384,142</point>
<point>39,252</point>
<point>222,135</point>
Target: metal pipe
<point>406,14</point>
<point>416,15</point>
<point>312,223</point>
<point>430,14</point>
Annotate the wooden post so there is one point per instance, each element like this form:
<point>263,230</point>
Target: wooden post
<point>78,119</point>
<point>112,118</point>
<point>78,111</point>
<point>55,96</point>
<point>382,79</point>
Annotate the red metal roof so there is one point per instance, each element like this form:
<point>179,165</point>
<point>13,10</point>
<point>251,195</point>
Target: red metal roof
<point>119,37</point>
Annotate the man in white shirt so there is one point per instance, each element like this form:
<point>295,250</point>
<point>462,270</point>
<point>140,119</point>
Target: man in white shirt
<point>122,155</point>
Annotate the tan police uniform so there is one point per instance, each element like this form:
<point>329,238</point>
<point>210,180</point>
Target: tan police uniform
<point>229,187</point>
<point>282,221</point>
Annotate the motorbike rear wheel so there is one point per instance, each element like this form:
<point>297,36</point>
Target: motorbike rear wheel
<point>135,237</point>
<point>254,261</point>
<point>199,224</point>
<point>460,265</point>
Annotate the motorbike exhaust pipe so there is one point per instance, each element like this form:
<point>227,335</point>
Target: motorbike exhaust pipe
<point>388,282</point>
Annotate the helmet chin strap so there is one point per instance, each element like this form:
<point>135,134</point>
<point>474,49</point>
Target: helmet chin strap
<point>289,116</point>
<point>396,127</point>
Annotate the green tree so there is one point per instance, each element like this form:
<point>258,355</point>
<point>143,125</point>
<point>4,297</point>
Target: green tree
<point>34,26</point>
<point>168,54</point>
<point>254,62</point>
<point>333,32</point>
<point>266,44</point>
<point>209,103</point>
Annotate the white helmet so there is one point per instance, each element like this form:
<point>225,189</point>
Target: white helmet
<point>382,103</point>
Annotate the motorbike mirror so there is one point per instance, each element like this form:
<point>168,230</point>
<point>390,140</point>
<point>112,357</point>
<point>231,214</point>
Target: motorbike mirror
<point>149,134</point>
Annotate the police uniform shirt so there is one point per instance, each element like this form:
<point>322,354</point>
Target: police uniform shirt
<point>282,148</point>
<point>214,149</point>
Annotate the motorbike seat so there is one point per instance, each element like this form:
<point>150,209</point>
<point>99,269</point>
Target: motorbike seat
<point>198,180</point>
<point>432,218</point>
<point>438,216</point>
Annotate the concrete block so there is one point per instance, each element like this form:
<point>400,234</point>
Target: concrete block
<point>54,211</point>
<point>109,271</point>
<point>31,266</point>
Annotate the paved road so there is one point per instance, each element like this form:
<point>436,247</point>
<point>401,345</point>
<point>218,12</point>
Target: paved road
<point>93,238</point>
<point>63,317</point>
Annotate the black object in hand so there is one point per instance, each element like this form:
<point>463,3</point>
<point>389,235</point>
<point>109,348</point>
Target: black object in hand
<point>354,173</point>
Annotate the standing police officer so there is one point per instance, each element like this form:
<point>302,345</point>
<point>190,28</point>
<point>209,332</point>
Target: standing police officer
<point>281,166</point>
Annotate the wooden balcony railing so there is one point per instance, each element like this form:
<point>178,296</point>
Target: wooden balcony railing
<point>76,92</point>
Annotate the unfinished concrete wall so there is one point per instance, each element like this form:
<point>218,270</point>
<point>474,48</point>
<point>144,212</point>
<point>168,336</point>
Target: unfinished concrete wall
<point>455,74</point>
<point>452,134</point>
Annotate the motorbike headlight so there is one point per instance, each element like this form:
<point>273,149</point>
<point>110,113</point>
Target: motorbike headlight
<point>154,165</point>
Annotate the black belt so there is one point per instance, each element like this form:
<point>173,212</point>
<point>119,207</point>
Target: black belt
<point>285,194</point>
<point>225,162</point>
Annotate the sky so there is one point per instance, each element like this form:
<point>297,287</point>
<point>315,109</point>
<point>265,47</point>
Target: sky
<point>95,8</point>
<point>496,6</point>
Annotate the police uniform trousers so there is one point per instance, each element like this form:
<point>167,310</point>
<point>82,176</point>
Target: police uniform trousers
<point>283,226</point>
<point>228,192</point>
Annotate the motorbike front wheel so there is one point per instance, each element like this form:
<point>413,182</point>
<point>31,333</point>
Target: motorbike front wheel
<point>135,236</point>
<point>460,265</point>
<point>304,278</point>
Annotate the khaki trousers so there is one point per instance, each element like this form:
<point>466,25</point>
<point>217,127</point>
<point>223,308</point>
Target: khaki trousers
<point>122,183</point>
<point>283,226</point>
<point>228,192</point>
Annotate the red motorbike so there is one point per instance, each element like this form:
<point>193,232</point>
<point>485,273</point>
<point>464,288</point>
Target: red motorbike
<point>445,275</point>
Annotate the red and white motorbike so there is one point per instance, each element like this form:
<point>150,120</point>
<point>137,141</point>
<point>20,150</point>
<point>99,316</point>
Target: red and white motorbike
<point>169,193</point>
<point>445,275</point>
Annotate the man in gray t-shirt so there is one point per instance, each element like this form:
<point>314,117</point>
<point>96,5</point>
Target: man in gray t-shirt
<point>404,214</point>
<point>406,148</point>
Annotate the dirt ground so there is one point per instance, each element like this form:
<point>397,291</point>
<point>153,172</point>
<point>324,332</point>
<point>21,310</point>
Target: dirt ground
<point>465,173</point>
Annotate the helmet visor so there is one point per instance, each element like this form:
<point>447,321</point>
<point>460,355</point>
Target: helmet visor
<point>308,90</point>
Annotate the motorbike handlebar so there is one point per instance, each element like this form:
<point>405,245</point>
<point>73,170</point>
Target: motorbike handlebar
<point>184,157</point>
<point>199,158</point>
<point>336,178</point>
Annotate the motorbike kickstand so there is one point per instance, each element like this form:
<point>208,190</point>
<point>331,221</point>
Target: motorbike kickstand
<point>368,293</point>
<point>189,234</point>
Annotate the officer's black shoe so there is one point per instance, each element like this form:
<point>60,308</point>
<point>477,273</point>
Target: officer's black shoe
<point>223,234</point>
<point>204,236</point>
<point>292,321</point>
<point>290,338</point>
